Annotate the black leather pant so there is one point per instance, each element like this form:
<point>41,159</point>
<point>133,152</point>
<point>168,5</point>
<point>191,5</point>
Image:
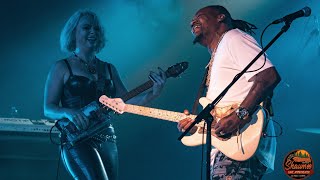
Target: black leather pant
<point>86,162</point>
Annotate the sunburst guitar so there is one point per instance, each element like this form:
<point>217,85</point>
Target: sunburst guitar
<point>240,146</point>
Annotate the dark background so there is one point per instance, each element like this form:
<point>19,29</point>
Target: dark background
<point>142,35</point>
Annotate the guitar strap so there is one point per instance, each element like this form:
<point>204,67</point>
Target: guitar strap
<point>200,92</point>
<point>101,72</point>
<point>268,105</point>
<point>105,84</point>
<point>102,77</point>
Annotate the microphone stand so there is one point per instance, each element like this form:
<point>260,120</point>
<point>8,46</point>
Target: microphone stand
<point>205,113</point>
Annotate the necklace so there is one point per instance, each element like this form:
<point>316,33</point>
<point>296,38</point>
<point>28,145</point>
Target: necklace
<point>209,65</point>
<point>91,68</point>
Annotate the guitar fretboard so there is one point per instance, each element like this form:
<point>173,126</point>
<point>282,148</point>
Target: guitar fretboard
<point>137,90</point>
<point>156,113</point>
<point>140,89</point>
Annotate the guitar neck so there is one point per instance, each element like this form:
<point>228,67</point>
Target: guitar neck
<point>134,92</point>
<point>156,113</point>
<point>137,90</point>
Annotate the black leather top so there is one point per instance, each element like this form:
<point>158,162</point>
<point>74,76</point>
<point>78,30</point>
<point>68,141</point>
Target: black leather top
<point>80,90</point>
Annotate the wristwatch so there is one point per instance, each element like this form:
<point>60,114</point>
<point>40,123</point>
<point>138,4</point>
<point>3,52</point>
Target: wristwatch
<point>242,113</point>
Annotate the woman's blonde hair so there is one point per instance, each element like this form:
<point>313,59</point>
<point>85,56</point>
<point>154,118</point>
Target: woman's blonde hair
<point>67,36</point>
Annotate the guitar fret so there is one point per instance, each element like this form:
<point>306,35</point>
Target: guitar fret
<point>248,142</point>
<point>121,107</point>
<point>137,90</point>
<point>147,85</point>
<point>155,113</point>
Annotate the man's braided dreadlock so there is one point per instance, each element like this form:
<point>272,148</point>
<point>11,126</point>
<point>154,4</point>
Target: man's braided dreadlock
<point>240,24</point>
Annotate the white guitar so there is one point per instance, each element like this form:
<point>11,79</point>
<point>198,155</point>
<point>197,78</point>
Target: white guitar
<point>238,147</point>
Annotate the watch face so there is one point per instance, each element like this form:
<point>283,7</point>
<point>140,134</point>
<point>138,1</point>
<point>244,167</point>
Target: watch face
<point>242,113</point>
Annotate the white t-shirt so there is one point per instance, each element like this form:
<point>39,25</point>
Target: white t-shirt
<point>234,52</point>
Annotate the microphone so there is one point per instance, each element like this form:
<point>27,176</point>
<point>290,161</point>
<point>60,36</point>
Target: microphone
<point>306,11</point>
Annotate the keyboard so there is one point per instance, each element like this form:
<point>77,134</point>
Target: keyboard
<point>27,125</point>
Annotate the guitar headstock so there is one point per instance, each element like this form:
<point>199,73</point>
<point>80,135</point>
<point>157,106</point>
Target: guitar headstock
<point>115,104</point>
<point>176,69</point>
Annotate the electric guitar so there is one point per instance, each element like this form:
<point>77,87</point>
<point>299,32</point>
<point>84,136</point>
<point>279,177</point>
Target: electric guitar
<point>98,114</point>
<point>238,147</point>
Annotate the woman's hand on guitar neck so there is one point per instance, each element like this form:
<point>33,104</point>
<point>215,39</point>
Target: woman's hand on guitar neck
<point>185,123</point>
<point>159,79</point>
<point>78,119</point>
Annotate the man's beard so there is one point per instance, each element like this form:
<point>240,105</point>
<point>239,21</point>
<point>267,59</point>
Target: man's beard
<point>197,39</point>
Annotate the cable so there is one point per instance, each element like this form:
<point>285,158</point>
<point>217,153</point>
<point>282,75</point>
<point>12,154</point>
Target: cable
<point>61,148</point>
<point>58,168</point>
<point>264,134</point>
<point>281,130</point>
<point>261,43</point>
<point>50,134</point>
<point>264,54</point>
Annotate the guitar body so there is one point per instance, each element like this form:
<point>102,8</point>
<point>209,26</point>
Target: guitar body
<point>97,124</point>
<point>240,147</point>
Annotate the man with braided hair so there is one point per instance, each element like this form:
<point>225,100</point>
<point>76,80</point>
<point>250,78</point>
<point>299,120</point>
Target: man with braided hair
<point>232,48</point>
